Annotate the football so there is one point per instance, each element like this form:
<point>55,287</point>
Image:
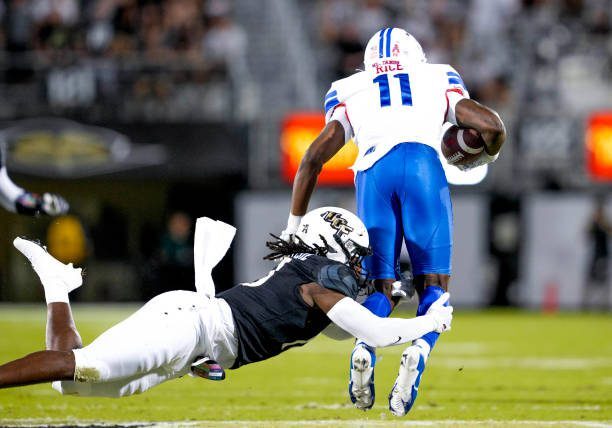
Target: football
<point>461,146</point>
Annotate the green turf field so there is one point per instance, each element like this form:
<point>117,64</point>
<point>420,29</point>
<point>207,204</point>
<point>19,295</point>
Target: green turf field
<point>493,369</point>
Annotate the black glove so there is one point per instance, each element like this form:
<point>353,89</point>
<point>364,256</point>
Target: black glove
<point>47,203</point>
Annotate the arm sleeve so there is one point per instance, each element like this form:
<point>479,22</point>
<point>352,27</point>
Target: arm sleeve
<point>455,91</point>
<point>9,191</point>
<point>375,331</point>
<point>336,110</point>
<point>341,116</point>
<point>330,103</point>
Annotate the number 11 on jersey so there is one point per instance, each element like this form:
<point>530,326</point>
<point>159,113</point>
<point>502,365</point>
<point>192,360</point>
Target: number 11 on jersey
<point>385,91</point>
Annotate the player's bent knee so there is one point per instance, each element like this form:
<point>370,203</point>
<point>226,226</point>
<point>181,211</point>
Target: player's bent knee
<point>88,368</point>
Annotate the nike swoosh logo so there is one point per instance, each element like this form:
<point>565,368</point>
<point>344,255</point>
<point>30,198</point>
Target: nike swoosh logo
<point>397,341</point>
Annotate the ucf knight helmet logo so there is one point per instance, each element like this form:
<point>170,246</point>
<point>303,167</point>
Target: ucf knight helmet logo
<point>337,222</point>
<point>337,230</point>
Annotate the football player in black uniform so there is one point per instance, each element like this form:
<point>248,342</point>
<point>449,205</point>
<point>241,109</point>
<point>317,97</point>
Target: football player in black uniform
<point>314,284</point>
<point>17,200</point>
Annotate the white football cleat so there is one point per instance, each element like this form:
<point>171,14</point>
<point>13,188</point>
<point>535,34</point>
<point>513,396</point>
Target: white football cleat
<point>406,387</point>
<point>361,386</point>
<point>50,270</point>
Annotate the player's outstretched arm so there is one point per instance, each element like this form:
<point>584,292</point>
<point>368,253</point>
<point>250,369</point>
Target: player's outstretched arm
<point>17,200</point>
<point>323,148</point>
<point>472,114</point>
<point>352,317</point>
<point>38,367</point>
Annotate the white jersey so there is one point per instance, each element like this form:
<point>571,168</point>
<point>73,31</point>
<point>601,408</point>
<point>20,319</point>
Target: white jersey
<point>395,104</point>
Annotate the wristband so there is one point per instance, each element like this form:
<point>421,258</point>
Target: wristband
<point>293,222</point>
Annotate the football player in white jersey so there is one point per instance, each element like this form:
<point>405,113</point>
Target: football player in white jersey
<point>17,200</point>
<point>182,332</point>
<point>394,110</point>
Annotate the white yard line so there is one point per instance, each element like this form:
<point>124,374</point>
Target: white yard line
<point>317,423</point>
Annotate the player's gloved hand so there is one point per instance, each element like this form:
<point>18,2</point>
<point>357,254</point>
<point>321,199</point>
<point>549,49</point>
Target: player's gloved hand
<point>47,203</point>
<point>483,159</point>
<point>442,315</point>
<point>53,204</point>
<point>292,226</point>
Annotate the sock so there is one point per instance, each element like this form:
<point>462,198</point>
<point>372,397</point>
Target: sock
<point>56,294</point>
<point>429,295</point>
<point>55,291</point>
<point>425,348</point>
<point>378,304</point>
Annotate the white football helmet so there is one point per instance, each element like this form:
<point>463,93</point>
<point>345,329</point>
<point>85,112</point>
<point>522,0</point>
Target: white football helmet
<point>393,44</point>
<point>337,230</point>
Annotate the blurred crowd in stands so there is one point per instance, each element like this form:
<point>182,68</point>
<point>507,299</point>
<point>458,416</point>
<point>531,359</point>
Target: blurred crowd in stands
<point>200,32</point>
<point>106,48</point>
<point>479,37</point>
<point>80,53</point>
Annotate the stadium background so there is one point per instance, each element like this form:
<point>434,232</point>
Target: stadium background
<point>201,91</point>
<point>146,114</point>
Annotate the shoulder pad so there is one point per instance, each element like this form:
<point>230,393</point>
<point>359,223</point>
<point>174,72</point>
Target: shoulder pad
<point>338,277</point>
<point>342,89</point>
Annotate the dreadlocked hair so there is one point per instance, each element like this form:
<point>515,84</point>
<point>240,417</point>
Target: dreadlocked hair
<point>281,248</point>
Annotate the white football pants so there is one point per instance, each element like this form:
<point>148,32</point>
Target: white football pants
<point>161,340</point>
<point>157,343</point>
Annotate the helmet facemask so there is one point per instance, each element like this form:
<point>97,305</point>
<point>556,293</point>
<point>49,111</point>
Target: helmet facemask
<point>353,252</point>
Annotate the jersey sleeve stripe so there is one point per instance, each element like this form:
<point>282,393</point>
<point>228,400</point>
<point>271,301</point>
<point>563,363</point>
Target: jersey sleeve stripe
<point>330,94</point>
<point>347,116</point>
<point>457,90</point>
<point>345,113</point>
<point>455,79</point>
<point>331,104</point>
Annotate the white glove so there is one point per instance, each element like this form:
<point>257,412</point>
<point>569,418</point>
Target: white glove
<point>53,204</point>
<point>483,159</point>
<point>442,315</point>
<point>47,203</point>
<point>293,223</point>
